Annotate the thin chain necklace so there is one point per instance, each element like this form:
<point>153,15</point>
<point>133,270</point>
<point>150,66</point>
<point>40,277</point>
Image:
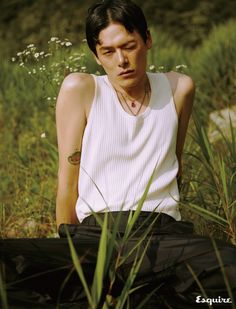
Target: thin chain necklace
<point>135,114</point>
<point>147,90</point>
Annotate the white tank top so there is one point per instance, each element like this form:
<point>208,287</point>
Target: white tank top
<point>121,151</point>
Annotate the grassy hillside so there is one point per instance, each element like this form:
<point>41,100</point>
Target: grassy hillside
<point>28,21</point>
<point>28,152</point>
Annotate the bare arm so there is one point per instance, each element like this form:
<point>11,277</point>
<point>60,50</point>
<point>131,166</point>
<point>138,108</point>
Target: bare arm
<point>183,89</point>
<point>185,97</point>
<point>71,115</point>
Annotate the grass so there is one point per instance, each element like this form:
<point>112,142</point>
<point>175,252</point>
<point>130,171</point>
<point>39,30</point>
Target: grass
<point>28,151</point>
<point>112,254</point>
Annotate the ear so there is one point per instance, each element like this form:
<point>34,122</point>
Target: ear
<point>149,40</point>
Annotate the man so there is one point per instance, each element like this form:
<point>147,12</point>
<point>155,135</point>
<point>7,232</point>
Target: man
<point>123,55</point>
<point>114,132</point>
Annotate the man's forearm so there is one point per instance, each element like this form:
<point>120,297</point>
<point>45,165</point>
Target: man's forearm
<point>65,208</point>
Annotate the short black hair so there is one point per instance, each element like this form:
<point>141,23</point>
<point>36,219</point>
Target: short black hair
<point>125,12</point>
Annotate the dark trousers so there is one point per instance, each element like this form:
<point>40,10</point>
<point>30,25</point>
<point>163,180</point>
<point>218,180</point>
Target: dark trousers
<point>181,266</point>
<point>177,263</point>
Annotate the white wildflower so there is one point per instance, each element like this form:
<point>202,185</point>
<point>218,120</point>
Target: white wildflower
<point>13,59</point>
<point>19,54</point>
<point>181,66</point>
<point>34,71</point>
<point>41,53</point>
<point>43,135</point>
<point>30,46</point>
<point>68,44</point>
<point>21,64</point>
<point>48,98</point>
<point>36,55</point>
<point>54,38</point>
<point>152,67</point>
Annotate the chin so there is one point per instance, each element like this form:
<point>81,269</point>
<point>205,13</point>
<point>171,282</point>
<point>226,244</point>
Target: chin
<point>130,82</point>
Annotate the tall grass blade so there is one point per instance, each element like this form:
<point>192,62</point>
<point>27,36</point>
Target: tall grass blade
<point>113,243</point>
<point>132,275</point>
<point>39,274</point>
<point>138,242</point>
<point>223,177</point>
<point>111,236</point>
<point>202,141</point>
<point>63,286</point>
<point>79,270</point>
<point>134,217</point>
<point>198,282</point>
<point>145,300</point>
<point>97,285</point>
<point>209,215</point>
<point>229,290</point>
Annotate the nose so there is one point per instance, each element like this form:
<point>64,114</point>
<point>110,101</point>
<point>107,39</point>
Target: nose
<point>122,59</point>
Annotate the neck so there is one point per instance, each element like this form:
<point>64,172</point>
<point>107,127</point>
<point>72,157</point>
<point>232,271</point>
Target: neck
<point>134,91</point>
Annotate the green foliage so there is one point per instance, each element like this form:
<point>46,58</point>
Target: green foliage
<point>27,21</point>
<point>187,22</point>
<point>211,180</point>
<point>214,69</point>
<point>226,281</point>
<point>166,55</point>
<point>28,155</point>
<point>120,251</point>
<point>28,91</point>
<point>28,151</point>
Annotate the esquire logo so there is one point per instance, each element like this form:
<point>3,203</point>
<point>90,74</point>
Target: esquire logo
<point>211,301</point>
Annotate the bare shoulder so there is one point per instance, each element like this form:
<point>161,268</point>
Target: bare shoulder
<point>183,89</point>
<point>77,91</point>
<point>77,80</point>
<point>181,83</point>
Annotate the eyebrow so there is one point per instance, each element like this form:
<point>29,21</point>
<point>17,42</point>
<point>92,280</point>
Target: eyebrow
<point>110,47</point>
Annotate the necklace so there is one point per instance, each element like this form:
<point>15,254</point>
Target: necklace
<point>133,104</point>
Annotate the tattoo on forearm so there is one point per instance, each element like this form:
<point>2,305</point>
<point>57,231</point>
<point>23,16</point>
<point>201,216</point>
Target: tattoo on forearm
<point>74,158</point>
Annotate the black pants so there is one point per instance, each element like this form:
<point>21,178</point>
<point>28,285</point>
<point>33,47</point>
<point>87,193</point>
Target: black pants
<point>177,263</point>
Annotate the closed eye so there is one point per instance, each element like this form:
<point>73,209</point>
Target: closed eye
<point>130,47</point>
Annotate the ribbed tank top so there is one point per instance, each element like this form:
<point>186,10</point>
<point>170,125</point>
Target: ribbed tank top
<point>120,152</point>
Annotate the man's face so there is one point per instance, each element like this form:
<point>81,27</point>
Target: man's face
<point>123,55</point>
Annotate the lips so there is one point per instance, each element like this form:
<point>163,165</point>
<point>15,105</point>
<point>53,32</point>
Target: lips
<point>126,72</point>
